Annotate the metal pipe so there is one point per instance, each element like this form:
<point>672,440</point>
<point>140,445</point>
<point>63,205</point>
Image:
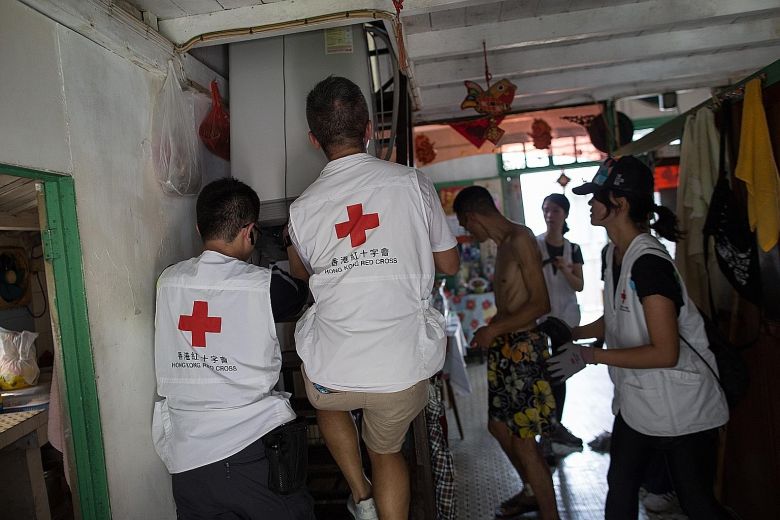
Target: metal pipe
<point>280,26</point>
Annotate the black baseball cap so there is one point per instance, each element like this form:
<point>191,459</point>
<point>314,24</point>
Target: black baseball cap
<point>626,174</point>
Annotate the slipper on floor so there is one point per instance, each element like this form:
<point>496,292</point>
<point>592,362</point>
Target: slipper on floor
<point>601,443</point>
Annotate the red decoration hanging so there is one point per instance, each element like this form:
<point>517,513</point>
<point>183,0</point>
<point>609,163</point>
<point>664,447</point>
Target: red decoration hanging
<point>581,120</point>
<point>541,133</point>
<point>423,149</point>
<point>398,30</point>
<point>564,179</point>
<point>214,131</point>
<point>494,103</point>
<point>478,131</point>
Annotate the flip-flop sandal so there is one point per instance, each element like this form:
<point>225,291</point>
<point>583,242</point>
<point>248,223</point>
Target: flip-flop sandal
<point>517,505</point>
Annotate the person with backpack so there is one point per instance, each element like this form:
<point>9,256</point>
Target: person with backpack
<point>667,397</point>
<point>562,267</point>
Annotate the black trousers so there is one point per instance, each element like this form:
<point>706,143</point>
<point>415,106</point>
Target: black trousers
<point>236,488</point>
<point>559,393</point>
<point>690,460</point>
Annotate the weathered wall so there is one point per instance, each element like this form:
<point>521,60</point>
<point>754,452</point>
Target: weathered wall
<point>32,114</point>
<point>71,106</point>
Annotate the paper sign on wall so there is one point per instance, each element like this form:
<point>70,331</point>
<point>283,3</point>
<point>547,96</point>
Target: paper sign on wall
<point>338,40</point>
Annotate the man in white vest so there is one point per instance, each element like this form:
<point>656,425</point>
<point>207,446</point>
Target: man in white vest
<point>217,361</point>
<point>368,235</point>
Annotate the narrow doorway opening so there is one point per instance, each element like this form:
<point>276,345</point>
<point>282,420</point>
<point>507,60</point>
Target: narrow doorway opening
<point>51,451</point>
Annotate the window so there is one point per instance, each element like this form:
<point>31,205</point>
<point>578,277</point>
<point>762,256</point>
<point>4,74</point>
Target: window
<point>562,151</point>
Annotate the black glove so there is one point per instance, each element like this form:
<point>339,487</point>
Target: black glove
<point>557,330</point>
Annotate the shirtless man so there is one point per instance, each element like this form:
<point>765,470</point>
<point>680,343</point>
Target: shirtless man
<point>520,401</point>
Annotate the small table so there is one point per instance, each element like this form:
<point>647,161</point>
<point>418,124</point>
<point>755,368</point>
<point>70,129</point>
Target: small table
<point>22,487</point>
<point>474,311</point>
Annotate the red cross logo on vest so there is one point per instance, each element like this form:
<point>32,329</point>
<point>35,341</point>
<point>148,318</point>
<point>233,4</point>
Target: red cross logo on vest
<point>199,323</point>
<point>357,225</point>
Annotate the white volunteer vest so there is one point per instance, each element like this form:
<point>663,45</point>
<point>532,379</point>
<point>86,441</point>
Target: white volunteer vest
<point>217,360</point>
<point>563,299</point>
<point>362,229</point>
<point>663,402</point>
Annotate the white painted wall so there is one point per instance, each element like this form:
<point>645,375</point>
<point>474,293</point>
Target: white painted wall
<point>263,95</point>
<point>464,168</point>
<point>68,105</point>
<point>129,231</point>
<point>32,115</point>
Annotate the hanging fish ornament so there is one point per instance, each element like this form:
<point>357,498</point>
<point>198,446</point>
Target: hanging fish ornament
<point>497,100</point>
<point>493,103</point>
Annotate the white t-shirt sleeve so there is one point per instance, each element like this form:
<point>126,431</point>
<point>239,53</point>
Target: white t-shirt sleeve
<point>441,236</point>
<point>298,248</point>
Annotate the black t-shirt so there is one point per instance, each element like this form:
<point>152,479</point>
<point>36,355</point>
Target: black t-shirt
<point>288,295</point>
<point>653,274</point>
<point>576,254</point>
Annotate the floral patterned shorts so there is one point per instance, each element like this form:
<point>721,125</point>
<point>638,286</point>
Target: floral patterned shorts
<point>519,393</point>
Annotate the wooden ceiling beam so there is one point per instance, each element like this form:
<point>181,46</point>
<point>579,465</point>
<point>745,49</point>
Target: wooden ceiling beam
<point>119,32</point>
<point>601,83</point>
<point>22,222</point>
<point>651,15</point>
<point>414,7</point>
<point>538,60</point>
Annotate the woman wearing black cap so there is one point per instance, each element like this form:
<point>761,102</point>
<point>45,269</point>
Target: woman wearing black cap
<point>562,266</point>
<point>666,397</point>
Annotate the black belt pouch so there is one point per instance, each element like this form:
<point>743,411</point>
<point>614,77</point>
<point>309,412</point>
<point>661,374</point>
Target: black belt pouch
<point>287,451</point>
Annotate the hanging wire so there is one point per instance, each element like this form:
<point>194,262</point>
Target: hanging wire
<point>379,35</point>
<point>45,300</point>
<point>488,75</point>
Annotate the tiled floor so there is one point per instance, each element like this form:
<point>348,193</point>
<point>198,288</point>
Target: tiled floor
<point>485,477</point>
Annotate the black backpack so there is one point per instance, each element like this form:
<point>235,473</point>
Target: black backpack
<point>727,223</point>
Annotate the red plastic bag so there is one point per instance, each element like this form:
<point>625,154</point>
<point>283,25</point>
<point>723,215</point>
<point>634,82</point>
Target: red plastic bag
<point>215,128</point>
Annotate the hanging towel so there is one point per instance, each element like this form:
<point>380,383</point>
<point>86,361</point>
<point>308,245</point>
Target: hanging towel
<point>708,147</point>
<point>686,263</point>
<point>56,426</point>
<point>688,158</point>
<point>756,166</point>
<point>698,175</point>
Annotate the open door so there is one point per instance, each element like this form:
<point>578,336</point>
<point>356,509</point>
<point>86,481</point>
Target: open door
<point>56,272</point>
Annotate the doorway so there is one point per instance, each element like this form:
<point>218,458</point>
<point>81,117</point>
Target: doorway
<point>535,187</point>
<point>48,234</point>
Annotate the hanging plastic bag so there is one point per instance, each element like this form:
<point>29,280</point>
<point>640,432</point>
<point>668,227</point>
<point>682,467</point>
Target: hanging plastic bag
<point>175,144</point>
<point>215,128</point>
<point>18,368</point>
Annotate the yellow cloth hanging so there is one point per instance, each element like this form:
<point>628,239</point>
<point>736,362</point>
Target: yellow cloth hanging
<point>756,166</point>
